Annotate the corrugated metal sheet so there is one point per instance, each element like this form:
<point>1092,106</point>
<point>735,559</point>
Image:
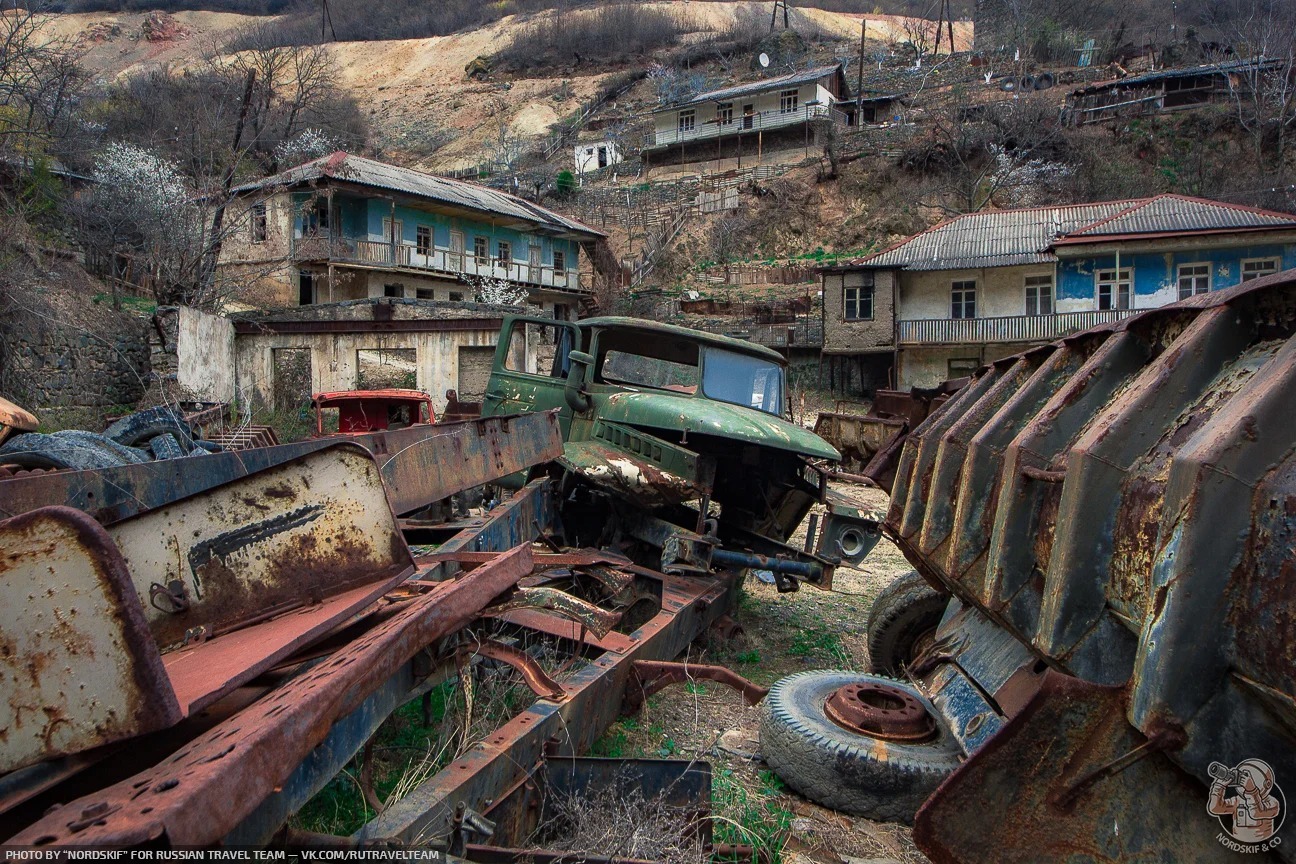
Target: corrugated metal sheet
<point>789,80</point>
<point>1184,72</point>
<point>367,172</point>
<point>1179,213</point>
<point>996,238</point>
<point>1002,238</point>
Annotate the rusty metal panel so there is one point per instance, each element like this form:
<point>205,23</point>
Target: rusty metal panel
<point>282,539</point>
<point>78,667</point>
<point>1139,532</point>
<point>202,792</point>
<point>420,464</point>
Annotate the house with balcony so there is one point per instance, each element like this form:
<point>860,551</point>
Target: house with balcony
<point>748,121</point>
<point>987,285</point>
<point>343,227</point>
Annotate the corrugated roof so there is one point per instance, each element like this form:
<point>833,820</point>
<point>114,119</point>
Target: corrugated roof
<point>996,238</point>
<point>1174,213</point>
<point>368,172</point>
<point>1222,68</point>
<point>761,86</point>
<point>1002,238</point>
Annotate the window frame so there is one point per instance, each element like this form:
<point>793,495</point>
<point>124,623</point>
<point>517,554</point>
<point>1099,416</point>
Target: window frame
<point>960,289</point>
<point>422,233</point>
<point>394,289</point>
<point>1027,286</point>
<point>724,113</point>
<point>789,100</point>
<point>559,261</point>
<point>260,225</point>
<point>1274,262</point>
<point>1114,282</point>
<point>686,120</point>
<point>853,306</point>
<point>481,249</point>
<point>1180,276</point>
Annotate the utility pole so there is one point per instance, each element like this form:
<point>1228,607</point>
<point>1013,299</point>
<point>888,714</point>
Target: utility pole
<point>859,81</point>
<point>779,4</point>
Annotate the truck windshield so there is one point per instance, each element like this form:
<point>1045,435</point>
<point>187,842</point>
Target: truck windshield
<point>743,380</point>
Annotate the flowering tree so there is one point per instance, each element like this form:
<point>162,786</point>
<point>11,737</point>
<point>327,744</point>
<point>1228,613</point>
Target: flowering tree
<point>310,144</point>
<point>488,289</point>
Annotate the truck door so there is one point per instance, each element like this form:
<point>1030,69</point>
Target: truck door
<point>530,368</point>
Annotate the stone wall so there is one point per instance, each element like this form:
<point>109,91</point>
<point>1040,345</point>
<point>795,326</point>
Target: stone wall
<point>56,366</point>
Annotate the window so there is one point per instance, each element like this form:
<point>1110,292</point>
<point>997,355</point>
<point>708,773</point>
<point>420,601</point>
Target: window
<point>1114,292</point>
<point>788,101</point>
<point>963,299</point>
<point>393,290</point>
<point>456,296</point>
<point>687,120</point>
<point>724,112</point>
<point>423,240</point>
<point>305,288</point>
<point>857,300</point>
<point>560,261</point>
<point>481,249</point>
<point>425,293</point>
<point>315,217</point>
<point>1193,279</point>
<point>260,228</point>
<point>505,253</point>
<point>1039,295</point>
<point>1258,267</point>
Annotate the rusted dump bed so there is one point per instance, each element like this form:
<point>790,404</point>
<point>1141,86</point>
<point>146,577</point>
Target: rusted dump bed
<point>1123,502</point>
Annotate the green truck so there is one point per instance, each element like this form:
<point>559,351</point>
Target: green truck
<point>678,447</point>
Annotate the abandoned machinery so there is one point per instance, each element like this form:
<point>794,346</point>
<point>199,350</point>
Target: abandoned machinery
<point>1101,609</point>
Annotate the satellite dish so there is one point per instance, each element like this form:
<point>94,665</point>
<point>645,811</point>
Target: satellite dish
<point>763,60</point>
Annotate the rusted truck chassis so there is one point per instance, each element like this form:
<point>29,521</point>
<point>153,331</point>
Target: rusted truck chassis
<point>1114,516</point>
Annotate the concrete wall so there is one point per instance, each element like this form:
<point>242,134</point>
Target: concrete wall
<point>927,366</point>
<point>852,337</point>
<point>205,356</point>
<point>1000,291</point>
<point>1156,277</point>
<point>334,359</point>
<point>586,155</point>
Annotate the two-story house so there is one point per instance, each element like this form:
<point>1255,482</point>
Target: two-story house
<point>750,120</point>
<point>343,227</point>
<point>987,285</point>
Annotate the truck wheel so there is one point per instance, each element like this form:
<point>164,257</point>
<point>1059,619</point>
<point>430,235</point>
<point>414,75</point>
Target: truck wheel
<point>903,622</point>
<point>142,426</point>
<point>812,735</point>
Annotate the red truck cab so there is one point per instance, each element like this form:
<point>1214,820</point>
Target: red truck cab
<point>361,411</point>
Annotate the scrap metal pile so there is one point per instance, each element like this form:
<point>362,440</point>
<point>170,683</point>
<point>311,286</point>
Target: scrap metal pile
<point>192,649</point>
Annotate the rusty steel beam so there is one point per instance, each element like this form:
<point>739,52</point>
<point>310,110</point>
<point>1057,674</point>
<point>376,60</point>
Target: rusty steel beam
<point>531,671</point>
<point>420,465</point>
<point>482,776</point>
<point>599,621</point>
<point>651,676</point>
<point>187,800</point>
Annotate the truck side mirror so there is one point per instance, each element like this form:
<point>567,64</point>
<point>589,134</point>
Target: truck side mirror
<point>579,364</point>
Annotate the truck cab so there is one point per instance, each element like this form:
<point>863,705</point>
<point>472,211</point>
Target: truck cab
<point>682,435</point>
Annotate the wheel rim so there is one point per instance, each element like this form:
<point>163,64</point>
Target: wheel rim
<point>880,711</point>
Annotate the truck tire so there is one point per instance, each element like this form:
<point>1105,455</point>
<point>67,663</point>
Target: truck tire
<point>882,780</point>
<point>903,618</point>
<point>143,426</point>
<point>37,450</point>
<point>165,447</point>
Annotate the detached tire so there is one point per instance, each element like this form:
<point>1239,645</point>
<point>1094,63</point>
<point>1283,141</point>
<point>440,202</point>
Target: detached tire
<point>903,618</point>
<point>886,781</point>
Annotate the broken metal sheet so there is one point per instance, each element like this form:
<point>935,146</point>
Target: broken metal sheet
<point>78,668</point>
<point>199,794</point>
<point>420,465</point>
<point>649,471</point>
<point>599,621</point>
<point>15,419</point>
<point>281,540</point>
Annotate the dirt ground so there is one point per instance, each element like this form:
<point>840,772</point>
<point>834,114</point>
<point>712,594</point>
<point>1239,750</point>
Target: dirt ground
<point>783,633</point>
